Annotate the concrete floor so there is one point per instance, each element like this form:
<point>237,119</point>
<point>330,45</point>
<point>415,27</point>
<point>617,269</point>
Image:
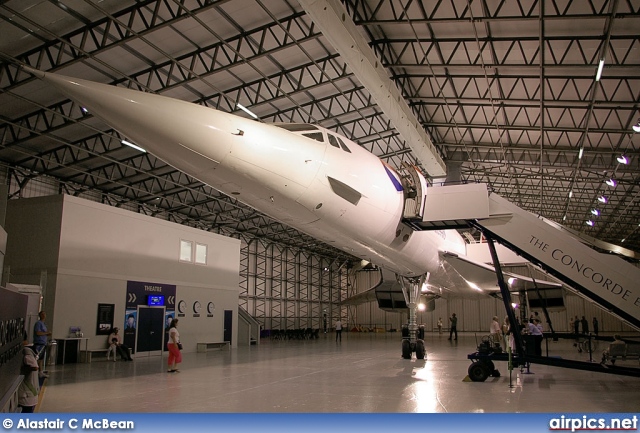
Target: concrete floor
<point>364,373</point>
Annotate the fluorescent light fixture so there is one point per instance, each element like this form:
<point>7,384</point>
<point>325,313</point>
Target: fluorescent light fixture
<point>84,110</point>
<point>514,305</point>
<point>564,218</point>
<point>623,240</point>
<point>623,160</point>
<point>570,193</point>
<point>612,183</point>
<point>599,73</point>
<point>246,110</point>
<point>590,223</point>
<point>127,143</point>
<point>602,199</point>
<point>511,280</point>
<point>595,212</point>
<point>580,153</point>
<point>636,127</point>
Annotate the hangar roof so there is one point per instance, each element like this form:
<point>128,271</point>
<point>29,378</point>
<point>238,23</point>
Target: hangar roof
<point>504,91</point>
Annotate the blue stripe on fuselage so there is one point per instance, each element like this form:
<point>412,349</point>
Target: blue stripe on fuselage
<point>394,181</point>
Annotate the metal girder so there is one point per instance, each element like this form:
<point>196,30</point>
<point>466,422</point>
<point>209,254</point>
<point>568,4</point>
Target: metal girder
<point>338,28</point>
<point>503,88</point>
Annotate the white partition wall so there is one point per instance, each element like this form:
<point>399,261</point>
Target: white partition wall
<point>88,252</point>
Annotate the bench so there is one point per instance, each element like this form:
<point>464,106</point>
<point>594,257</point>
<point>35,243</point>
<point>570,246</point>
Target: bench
<point>87,355</point>
<point>621,351</point>
<point>204,347</point>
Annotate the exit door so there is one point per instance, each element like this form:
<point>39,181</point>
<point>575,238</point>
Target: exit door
<point>228,324</point>
<point>150,330</point>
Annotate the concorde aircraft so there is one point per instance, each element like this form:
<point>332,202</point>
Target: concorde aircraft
<point>303,175</point>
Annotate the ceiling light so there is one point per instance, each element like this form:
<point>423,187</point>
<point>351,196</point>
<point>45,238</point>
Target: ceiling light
<point>612,183</point>
<point>599,73</point>
<point>636,127</point>
<point>246,110</point>
<point>422,307</point>
<point>623,160</point>
<point>602,199</point>
<point>127,143</point>
<point>595,212</point>
<point>570,194</point>
<point>590,223</point>
<point>564,218</point>
<point>580,153</point>
<point>623,240</point>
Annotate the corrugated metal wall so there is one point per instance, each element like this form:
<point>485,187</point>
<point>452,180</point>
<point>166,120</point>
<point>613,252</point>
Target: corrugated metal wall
<point>475,314</point>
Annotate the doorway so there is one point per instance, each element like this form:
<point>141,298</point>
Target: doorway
<point>150,336</point>
<point>228,324</point>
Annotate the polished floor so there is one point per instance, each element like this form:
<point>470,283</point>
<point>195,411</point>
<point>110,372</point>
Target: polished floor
<point>364,373</point>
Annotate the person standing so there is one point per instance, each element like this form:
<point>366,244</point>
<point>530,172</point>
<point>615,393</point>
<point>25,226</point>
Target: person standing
<point>495,331</point>
<point>40,338</point>
<point>535,329</point>
<point>30,386</point>
<point>175,357</point>
<point>339,330</point>
<point>507,332</point>
<point>576,326</point>
<point>595,326</point>
<point>585,325</point>
<point>453,330</point>
<point>439,325</point>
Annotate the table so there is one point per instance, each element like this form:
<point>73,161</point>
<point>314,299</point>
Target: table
<point>69,349</point>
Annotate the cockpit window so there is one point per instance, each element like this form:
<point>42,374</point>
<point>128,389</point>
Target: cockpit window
<point>315,136</point>
<point>333,141</point>
<point>344,146</point>
<point>297,127</point>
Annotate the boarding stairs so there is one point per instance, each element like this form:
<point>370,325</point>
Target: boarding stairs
<point>604,278</point>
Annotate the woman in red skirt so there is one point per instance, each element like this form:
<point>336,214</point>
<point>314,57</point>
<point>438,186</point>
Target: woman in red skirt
<point>175,357</point>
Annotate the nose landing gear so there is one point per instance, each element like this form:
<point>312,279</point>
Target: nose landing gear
<point>408,347</point>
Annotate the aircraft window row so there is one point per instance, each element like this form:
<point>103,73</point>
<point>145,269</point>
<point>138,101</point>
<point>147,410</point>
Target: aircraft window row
<point>297,127</point>
<point>315,136</point>
<point>318,136</point>
<point>337,142</point>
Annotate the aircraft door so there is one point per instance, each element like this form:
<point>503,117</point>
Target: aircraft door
<point>414,185</point>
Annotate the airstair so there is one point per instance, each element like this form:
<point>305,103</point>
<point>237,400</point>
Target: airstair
<point>606,279</point>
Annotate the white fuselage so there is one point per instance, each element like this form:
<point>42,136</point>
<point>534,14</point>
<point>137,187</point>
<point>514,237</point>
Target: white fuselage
<point>345,198</point>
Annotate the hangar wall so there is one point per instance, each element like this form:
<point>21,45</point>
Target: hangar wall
<point>283,288</point>
<point>474,314</point>
<point>83,253</point>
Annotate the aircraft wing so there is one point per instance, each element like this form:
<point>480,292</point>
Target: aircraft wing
<point>481,276</point>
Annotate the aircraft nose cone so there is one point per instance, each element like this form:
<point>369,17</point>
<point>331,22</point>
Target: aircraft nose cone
<point>170,129</point>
